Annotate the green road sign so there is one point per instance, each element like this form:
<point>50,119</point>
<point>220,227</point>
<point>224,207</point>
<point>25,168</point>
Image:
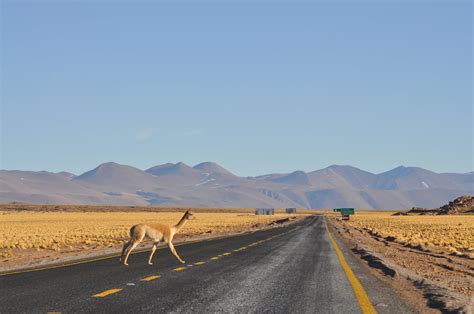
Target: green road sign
<point>345,212</point>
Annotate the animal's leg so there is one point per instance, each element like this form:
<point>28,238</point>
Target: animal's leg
<point>134,245</point>
<point>153,249</point>
<point>173,250</point>
<point>125,246</point>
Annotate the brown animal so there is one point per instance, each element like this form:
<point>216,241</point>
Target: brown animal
<point>155,232</point>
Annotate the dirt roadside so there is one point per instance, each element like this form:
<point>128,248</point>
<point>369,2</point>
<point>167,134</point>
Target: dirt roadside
<point>444,282</point>
<point>25,259</point>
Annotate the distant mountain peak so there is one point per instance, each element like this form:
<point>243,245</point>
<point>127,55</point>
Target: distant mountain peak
<point>106,166</point>
<point>109,166</point>
<point>206,164</point>
<point>408,170</point>
<point>297,177</point>
<point>181,164</point>
<point>208,184</point>
<point>340,166</point>
<point>212,167</point>
<point>170,168</point>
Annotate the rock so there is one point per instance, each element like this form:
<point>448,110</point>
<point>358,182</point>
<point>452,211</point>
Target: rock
<point>461,205</point>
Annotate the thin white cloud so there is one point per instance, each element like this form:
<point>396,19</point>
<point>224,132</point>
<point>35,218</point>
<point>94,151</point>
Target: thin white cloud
<point>145,134</point>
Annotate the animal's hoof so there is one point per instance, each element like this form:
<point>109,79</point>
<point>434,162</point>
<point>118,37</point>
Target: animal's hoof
<point>183,262</point>
<point>125,264</point>
<point>150,263</point>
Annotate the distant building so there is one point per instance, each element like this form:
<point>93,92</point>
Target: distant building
<point>264,211</point>
<point>290,210</point>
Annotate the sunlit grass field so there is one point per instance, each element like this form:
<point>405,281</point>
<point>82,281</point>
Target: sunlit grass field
<point>452,232</point>
<point>58,230</point>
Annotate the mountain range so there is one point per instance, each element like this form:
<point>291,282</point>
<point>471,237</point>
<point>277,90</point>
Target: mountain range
<point>210,185</point>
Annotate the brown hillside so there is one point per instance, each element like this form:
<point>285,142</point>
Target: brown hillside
<point>461,205</point>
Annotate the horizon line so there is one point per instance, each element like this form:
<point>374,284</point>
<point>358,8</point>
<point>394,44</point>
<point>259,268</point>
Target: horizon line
<point>244,176</point>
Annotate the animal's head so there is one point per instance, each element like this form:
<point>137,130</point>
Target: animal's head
<point>190,215</point>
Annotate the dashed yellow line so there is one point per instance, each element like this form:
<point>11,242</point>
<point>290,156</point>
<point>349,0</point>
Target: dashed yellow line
<point>138,251</point>
<point>106,293</point>
<point>150,278</point>
<point>101,258</point>
<point>362,297</point>
<point>179,268</point>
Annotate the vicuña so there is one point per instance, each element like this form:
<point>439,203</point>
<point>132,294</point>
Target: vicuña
<point>157,233</point>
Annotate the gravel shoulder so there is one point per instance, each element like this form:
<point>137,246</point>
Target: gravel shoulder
<point>442,281</point>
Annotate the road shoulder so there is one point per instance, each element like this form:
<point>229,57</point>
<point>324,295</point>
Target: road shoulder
<point>384,295</point>
<point>370,256</point>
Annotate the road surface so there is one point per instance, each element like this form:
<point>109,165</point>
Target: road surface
<point>292,269</point>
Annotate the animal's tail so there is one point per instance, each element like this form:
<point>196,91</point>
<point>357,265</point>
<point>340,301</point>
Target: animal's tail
<point>132,231</point>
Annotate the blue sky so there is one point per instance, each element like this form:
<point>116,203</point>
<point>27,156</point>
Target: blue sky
<point>258,87</point>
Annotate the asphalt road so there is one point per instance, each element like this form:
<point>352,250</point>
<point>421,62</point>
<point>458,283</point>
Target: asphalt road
<point>291,269</point>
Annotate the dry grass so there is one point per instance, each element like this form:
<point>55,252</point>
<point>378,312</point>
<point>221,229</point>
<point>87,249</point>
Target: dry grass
<point>115,208</point>
<point>452,233</point>
<point>57,230</point>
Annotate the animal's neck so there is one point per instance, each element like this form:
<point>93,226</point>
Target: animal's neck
<point>181,223</point>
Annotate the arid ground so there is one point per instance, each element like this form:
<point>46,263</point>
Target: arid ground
<point>33,235</point>
<point>434,254</point>
<point>428,257</point>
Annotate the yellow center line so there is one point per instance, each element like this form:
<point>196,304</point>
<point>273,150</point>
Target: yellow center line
<point>199,263</point>
<point>150,278</point>
<point>215,258</point>
<point>362,297</point>
<point>179,268</point>
<point>106,293</point>
<point>137,251</point>
<point>226,254</point>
